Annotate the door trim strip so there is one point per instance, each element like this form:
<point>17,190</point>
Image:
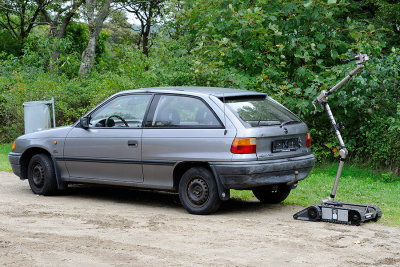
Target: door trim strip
<point>120,161</point>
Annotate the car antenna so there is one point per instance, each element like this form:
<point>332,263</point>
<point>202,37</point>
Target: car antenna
<point>223,100</point>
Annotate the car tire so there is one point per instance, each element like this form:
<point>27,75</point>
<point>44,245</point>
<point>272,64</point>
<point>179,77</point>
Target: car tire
<point>41,175</point>
<point>273,194</point>
<point>198,191</point>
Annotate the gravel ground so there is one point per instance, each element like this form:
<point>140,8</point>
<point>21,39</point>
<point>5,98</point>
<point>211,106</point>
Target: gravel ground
<point>100,226</point>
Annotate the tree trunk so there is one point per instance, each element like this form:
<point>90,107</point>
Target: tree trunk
<point>95,25</point>
<point>146,33</point>
<point>89,53</point>
<point>145,12</point>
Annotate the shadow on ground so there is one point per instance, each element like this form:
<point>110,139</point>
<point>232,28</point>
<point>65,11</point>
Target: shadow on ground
<point>154,198</point>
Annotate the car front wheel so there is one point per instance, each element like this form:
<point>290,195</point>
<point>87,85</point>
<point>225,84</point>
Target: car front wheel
<point>41,175</point>
<point>272,194</point>
<point>198,191</point>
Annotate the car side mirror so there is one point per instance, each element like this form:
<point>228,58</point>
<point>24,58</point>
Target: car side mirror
<point>85,122</point>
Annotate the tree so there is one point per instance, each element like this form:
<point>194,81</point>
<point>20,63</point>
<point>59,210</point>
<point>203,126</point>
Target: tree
<point>19,17</point>
<point>147,12</point>
<point>62,16</point>
<point>96,12</point>
<point>120,29</point>
<point>60,20</point>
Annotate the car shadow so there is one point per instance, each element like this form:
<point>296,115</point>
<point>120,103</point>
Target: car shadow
<point>122,195</point>
<point>242,206</point>
<point>155,198</point>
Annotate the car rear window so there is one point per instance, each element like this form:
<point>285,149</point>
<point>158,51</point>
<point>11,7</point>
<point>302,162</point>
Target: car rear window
<point>261,112</point>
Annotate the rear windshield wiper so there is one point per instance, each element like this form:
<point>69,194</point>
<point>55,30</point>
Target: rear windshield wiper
<point>288,122</point>
<point>262,123</point>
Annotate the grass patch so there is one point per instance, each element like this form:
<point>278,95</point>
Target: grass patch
<point>4,150</point>
<point>242,194</point>
<point>357,185</point>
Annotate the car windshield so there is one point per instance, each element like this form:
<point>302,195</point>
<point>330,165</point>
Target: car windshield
<point>261,112</point>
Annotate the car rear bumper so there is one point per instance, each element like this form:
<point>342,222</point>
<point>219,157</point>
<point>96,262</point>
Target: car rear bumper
<point>246,175</point>
<point>14,159</point>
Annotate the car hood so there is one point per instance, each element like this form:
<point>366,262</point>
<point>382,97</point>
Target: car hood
<point>51,133</point>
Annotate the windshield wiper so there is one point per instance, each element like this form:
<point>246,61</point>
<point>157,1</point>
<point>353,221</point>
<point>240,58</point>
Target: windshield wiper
<point>265,123</point>
<point>288,122</point>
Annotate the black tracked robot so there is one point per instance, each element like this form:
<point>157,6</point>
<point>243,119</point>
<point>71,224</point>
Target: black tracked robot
<point>329,210</point>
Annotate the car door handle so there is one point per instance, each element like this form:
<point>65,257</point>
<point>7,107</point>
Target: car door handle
<point>133,143</point>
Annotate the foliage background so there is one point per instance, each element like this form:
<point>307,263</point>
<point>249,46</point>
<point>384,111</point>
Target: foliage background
<point>289,49</point>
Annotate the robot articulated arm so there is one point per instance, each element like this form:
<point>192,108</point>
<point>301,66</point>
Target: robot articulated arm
<point>322,100</point>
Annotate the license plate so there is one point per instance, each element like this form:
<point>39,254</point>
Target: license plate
<point>285,145</point>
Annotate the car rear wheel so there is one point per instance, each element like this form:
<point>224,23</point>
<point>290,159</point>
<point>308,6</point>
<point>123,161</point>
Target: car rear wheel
<point>41,175</point>
<point>273,194</point>
<point>198,191</point>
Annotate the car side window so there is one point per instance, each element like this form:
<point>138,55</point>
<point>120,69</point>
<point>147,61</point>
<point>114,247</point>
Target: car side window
<point>183,112</point>
<point>123,111</point>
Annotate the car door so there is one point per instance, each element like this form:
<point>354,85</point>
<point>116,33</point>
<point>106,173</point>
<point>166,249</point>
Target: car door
<point>180,128</point>
<point>110,149</point>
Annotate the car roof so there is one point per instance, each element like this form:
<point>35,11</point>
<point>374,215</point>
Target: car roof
<point>218,92</point>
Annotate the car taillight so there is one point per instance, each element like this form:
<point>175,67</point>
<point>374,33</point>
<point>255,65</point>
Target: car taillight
<point>244,146</point>
<point>308,139</point>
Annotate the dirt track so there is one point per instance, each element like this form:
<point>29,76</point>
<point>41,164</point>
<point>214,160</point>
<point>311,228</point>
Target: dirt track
<point>92,226</point>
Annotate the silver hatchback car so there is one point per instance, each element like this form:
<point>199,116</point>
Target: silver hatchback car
<point>197,141</point>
